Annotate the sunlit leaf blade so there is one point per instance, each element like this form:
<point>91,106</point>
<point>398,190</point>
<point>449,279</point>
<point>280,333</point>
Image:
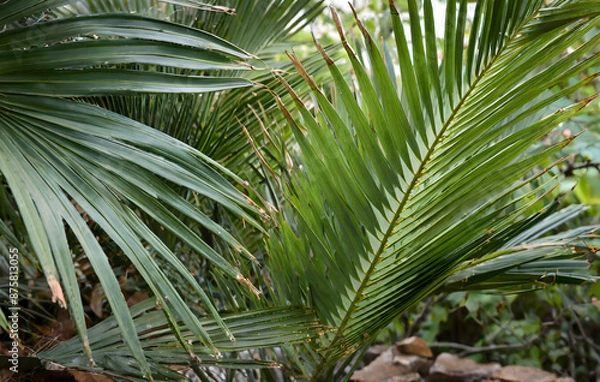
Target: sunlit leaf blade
<point>112,82</point>
<point>530,260</point>
<point>110,52</point>
<point>115,25</point>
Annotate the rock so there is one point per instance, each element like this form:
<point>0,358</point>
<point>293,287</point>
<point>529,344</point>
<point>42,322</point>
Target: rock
<point>410,377</point>
<point>448,368</point>
<point>565,379</point>
<point>413,363</point>
<point>382,369</point>
<point>373,352</point>
<point>386,356</point>
<point>414,346</point>
<point>514,373</point>
<point>385,372</point>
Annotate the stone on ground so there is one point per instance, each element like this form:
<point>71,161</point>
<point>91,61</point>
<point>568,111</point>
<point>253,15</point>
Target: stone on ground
<point>449,368</point>
<point>382,369</point>
<point>514,373</point>
<point>414,346</point>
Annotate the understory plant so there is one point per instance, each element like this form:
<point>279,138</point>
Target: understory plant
<point>282,218</point>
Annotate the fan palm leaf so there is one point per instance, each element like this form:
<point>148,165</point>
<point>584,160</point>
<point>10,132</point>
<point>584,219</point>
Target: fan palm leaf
<point>403,188</point>
<point>58,155</point>
<point>212,122</point>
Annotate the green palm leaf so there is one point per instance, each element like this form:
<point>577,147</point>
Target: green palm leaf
<point>530,260</point>
<point>401,188</point>
<point>252,330</point>
<point>58,153</point>
<point>212,122</point>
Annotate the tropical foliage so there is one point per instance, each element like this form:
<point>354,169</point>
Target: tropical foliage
<point>282,217</point>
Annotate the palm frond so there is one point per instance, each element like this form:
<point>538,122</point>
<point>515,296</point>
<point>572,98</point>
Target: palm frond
<point>213,123</point>
<point>401,187</point>
<point>253,330</point>
<point>279,20</point>
<point>59,155</point>
<point>528,260</point>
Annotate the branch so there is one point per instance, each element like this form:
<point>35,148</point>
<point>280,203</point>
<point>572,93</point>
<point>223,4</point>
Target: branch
<point>414,327</point>
<point>467,350</point>
<point>571,166</point>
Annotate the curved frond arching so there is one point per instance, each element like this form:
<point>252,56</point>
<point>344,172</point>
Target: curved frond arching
<point>60,157</point>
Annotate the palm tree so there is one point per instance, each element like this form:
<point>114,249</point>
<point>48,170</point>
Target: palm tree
<point>412,177</point>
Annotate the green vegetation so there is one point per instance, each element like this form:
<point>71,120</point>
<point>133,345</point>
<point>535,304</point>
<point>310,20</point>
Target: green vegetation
<point>285,211</point>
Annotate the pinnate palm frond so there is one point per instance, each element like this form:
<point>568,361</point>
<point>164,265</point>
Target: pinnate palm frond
<point>401,188</point>
<point>527,260</point>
